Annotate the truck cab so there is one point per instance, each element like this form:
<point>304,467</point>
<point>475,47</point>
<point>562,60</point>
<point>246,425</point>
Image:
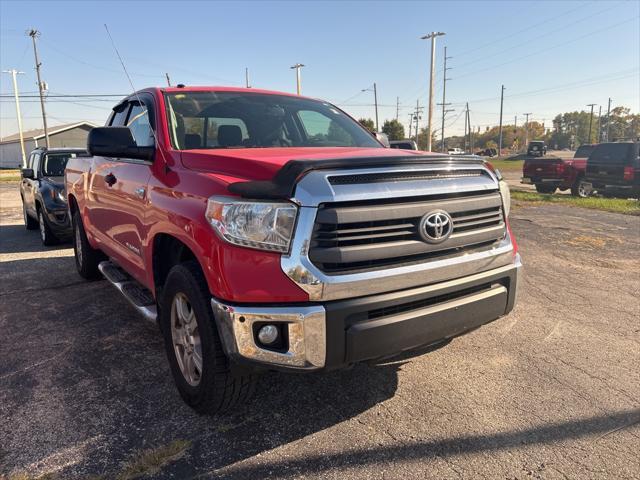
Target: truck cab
<point>264,230</point>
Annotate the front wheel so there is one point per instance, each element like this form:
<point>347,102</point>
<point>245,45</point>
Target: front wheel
<point>46,235</point>
<point>581,188</point>
<point>87,257</point>
<point>205,378</point>
<point>542,188</point>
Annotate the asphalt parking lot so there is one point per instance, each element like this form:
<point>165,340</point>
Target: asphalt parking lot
<point>551,391</point>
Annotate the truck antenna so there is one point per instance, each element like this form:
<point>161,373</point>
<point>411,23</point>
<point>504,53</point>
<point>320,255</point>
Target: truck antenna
<point>135,92</point>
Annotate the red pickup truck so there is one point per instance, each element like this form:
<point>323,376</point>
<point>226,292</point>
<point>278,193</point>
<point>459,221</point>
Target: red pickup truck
<point>551,173</point>
<point>264,230</point>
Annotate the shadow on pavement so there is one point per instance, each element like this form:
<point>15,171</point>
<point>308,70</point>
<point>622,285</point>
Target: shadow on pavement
<point>449,447</point>
<point>17,239</point>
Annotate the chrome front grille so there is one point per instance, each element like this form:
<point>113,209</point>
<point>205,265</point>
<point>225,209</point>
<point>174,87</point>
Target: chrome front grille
<point>365,235</point>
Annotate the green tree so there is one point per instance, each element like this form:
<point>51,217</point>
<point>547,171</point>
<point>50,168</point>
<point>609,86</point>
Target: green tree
<point>368,124</point>
<point>394,129</point>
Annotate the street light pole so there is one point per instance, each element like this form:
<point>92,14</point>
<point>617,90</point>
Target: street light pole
<point>297,67</point>
<point>526,128</point>
<point>431,36</point>
<point>500,135</point>
<point>33,33</point>
<point>13,72</point>
<point>375,101</point>
<point>590,121</point>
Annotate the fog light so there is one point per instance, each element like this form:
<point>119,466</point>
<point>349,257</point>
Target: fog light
<point>268,334</point>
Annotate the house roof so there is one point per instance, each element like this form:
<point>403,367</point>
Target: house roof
<point>39,132</point>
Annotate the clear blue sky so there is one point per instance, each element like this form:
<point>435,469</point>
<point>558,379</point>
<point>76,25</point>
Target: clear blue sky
<point>564,55</point>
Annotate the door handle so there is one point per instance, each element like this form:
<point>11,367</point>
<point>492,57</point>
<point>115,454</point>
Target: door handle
<point>110,179</point>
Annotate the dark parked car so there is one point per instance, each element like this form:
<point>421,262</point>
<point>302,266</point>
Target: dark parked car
<point>536,148</point>
<point>613,169</point>
<point>487,152</point>
<point>44,204</point>
<point>403,144</point>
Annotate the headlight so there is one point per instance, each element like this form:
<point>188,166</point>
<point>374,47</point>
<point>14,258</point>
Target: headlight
<point>253,224</point>
<point>506,196</point>
<point>58,195</point>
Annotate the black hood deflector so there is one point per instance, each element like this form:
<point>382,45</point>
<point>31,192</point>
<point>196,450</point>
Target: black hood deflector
<point>283,183</point>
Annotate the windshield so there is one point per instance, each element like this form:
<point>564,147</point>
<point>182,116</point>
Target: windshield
<point>54,163</point>
<point>252,120</point>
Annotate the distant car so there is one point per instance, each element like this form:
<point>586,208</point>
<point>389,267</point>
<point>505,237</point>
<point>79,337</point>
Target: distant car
<point>536,148</point>
<point>487,152</point>
<point>549,174</point>
<point>613,169</point>
<point>44,204</point>
<point>403,144</point>
<point>455,151</point>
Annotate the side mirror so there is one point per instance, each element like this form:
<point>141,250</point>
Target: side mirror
<point>116,142</point>
<point>27,173</point>
<point>382,138</point>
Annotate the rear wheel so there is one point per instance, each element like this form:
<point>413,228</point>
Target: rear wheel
<point>87,257</point>
<point>581,188</point>
<point>542,188</point>
<point>46,235</point>
<point>205,378</point>
<point>29,223</point>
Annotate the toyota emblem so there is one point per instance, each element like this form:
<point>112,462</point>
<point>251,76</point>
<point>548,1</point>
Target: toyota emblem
<point>436,226</point>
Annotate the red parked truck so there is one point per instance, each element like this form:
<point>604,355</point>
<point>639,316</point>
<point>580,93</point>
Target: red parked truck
<point>551,173</point>
<point>271,231</point>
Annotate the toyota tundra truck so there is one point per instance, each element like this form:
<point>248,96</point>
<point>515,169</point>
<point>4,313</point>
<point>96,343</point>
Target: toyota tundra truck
<point>269,231</point>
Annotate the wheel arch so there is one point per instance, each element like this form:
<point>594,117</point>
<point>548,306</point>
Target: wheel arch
<point>167,251</point>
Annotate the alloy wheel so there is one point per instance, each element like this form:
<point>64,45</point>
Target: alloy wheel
<point>186,339</point>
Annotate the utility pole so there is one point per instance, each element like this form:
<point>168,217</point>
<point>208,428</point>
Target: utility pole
<point>444,95</point>
<point>608,119</point>
<point>500,134</point>
<point>468,125</point>
<point>410,124</point>
<point>590,121</point>
<point>246,78</point>
<point>33,33</point>
<point>599,136</point>
<point>417,118</point>
<point>297,67</point>
<point>375,101</point>
<point>526,128</point>
<point>397,107</point>
<point>432,36</point>
<point>168,79</point>
<point>13,72</point>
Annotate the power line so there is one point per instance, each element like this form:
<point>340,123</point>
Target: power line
<point>544,50</point>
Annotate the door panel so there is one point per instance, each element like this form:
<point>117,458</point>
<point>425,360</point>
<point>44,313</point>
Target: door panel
<point>118,209</point>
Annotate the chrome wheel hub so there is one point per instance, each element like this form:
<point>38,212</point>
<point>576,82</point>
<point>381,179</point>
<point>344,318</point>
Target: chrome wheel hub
<point>186,339</point>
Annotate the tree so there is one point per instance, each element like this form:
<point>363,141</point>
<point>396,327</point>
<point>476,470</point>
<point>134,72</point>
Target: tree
<point>394,129</point>
<point>368,124</point>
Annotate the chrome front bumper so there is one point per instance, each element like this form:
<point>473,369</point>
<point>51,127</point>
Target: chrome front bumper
<point>317,334</point>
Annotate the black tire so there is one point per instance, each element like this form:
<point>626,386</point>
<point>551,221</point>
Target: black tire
<point>87,257</point>
<point>542,188</point>
<point>578,188</point>
<point>29,223</point>
<point>221,385</point>
<point>47,237</point>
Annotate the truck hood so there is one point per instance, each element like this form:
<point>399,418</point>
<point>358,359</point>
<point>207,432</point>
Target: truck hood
<point>263,163</point>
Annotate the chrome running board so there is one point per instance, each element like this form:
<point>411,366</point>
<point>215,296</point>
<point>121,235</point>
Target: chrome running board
<point>138,296</point>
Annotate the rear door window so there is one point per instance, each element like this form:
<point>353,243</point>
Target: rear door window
<point>584,151</point>
<point>612,153</point>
